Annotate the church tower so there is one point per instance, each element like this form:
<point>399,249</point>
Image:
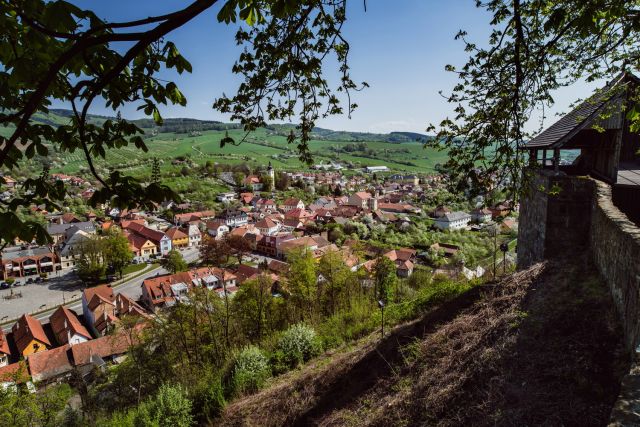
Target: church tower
<point>271,173</point>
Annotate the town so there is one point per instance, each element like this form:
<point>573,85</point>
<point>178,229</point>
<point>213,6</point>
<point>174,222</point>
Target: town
<point>319,213</point>
<point>69,308</point>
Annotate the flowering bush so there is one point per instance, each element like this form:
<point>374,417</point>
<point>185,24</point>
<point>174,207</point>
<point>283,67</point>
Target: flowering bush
<point>251,370</point>
<point>298,344</point>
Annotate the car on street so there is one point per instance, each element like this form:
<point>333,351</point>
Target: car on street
<point>4,285</point>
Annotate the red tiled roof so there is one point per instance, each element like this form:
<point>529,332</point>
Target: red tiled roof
<point>175,233</point>
<point>27,329</point>
<point>364,195</point>
<point>126,305</point>
<point>107,346</point>
<point>191,216</point>
<point>4,344</point>
<point>153,235</point>
<point>105,291</point>
<point>136,241</point>
<point>49,364</point>
<point>266,223</point>
<point>215,224</point>
<point>15,372</point>
<point>292,201</point>
<point>64,319</point>
<point>297,213</point>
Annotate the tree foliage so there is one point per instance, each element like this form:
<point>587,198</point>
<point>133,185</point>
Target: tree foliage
<point>174,262</point>
<point>59,52</point>
<point>116,250</point>
<point>535,48</point>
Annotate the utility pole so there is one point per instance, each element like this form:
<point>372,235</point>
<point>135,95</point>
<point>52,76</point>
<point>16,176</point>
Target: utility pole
<point>381,305</point>
<point>504,247</point>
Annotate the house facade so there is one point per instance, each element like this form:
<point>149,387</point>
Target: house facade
<point>67,327</point>
<point>481,215</point>
<point>179,239</point>
<point>5,351</point>
<point>195,236</point>
<point>267,226</point>
<point>160,239</point>
<point>234,218</point>
<point>29,336</point>
<point>453,221</point>
<point>98,308</point>
<point>291,204</point>
<point>217,228</point>
<point>27,262</point>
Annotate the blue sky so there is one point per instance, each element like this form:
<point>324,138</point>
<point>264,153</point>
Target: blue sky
<point>399,47</point>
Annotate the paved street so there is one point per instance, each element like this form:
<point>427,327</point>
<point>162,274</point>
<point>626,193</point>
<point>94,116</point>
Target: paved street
<point>49,295</point>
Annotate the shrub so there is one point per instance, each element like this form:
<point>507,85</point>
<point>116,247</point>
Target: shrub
<point>207,396</point>
<point>298,344</point>
<point>170,407</point>
<point>251,370</point>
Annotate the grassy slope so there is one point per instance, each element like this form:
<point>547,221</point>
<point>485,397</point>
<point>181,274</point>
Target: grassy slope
<point>167,145</point>
<point>207,147</point>
<point>540,347</point>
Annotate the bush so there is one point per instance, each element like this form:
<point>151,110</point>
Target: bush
<point>251,370</point>
<point>298,344</point>
<point>170,407</point>
<point>208,398</point>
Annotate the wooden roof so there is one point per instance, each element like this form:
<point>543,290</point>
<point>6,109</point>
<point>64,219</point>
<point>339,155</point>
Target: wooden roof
<point>583,116</point>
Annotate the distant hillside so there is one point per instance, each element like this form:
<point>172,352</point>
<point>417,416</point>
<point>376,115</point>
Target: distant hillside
<point>59,116</point>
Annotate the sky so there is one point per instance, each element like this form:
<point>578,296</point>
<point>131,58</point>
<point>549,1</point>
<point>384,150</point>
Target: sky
<point>399,47</point>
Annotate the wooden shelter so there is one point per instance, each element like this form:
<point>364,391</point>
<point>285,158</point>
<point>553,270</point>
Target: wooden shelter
<point>599,128</point>
<point>609,151</point>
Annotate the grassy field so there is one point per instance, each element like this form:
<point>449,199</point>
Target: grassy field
<point>258,148</point>
<point>254,150</point>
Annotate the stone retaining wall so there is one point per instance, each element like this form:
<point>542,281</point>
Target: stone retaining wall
<point>615,249</point>
<point>555,217</point>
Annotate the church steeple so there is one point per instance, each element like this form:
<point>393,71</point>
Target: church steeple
<point>271,172</point>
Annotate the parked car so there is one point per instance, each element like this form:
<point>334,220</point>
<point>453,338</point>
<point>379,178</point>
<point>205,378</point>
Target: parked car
<point>29,280</point>
<point>17,283</point>
<point>4,285</point>
<point>38,279</point>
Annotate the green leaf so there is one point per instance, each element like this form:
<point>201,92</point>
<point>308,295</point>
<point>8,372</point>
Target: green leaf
<point>157,117</point>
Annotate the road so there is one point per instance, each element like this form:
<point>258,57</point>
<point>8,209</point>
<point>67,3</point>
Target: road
<point>131,288</point>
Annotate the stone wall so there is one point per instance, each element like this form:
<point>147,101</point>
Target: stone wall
<point>580,217</point>
<point>615,248</point>
<point>555,217</point>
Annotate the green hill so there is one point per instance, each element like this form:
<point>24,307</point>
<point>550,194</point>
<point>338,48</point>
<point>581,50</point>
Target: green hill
<point>200,140</point>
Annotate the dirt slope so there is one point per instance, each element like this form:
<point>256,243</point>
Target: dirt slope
<point>541,347</point>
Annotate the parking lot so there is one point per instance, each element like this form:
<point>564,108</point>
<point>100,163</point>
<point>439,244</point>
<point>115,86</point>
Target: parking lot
<point>28,298</point>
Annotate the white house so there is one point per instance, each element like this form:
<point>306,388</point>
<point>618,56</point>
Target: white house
<point>67,327</point>
<point>72,248</point>
<point>267,226</point>
<point>233,218</point>
<point>195,236</point>
<point>372,169</point>
<point>217,228</point>
<point>453,221</point>
<point>292,203</point>
<point>481,215</point>
<point>226,197</point>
